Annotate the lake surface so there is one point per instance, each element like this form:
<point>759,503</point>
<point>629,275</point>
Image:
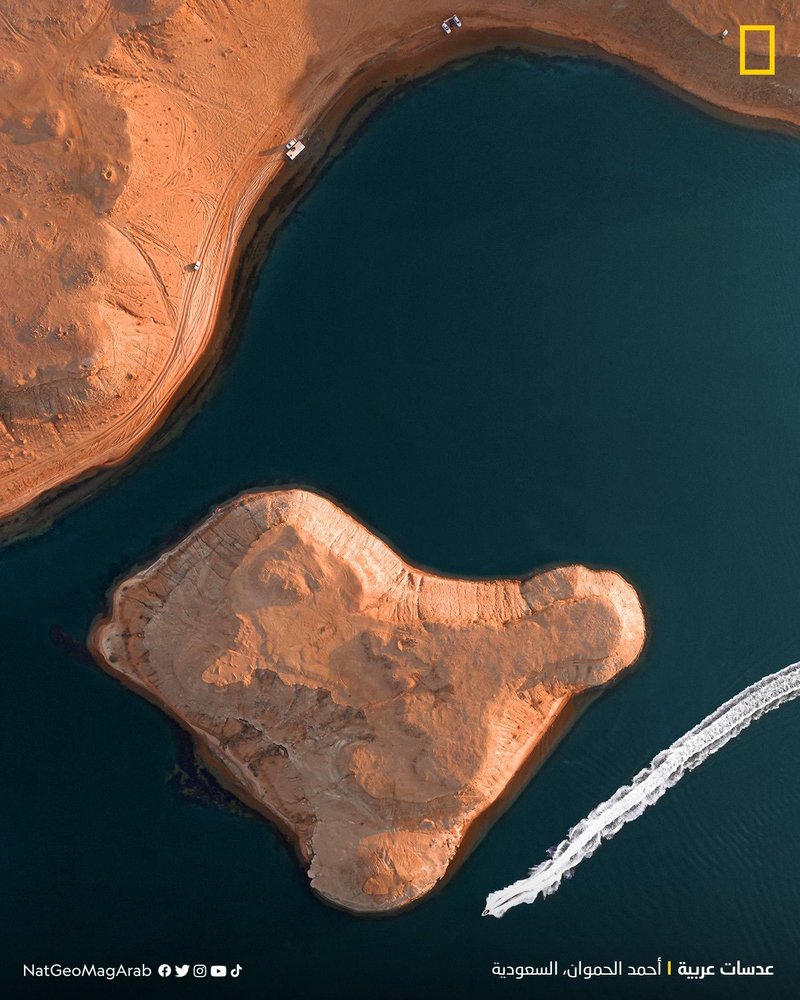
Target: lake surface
<point>537,312</point>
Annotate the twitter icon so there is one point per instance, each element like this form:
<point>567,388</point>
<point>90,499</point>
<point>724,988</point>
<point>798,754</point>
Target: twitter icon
<point>181,970</point>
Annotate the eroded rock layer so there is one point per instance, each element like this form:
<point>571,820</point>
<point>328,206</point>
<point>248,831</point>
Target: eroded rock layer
<point>373,709</point>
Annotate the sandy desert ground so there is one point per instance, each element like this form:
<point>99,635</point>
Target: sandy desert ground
<point>375,711</point>
<point>139,135</point>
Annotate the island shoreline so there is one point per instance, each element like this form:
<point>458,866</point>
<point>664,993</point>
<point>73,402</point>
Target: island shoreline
<point>568,711</point>
<point>565,720</point>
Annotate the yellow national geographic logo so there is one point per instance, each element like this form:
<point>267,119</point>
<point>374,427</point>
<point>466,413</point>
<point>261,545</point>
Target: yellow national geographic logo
<point>769,70</point>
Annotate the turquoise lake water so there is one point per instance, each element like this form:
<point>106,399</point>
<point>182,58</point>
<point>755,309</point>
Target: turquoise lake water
<point>538,311</point>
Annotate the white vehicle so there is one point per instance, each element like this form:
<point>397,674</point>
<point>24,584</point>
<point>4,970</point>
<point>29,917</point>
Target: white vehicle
<point>294,148</point>
<point>196,265</point>
<point>456,20</point>
<point>446,27</point>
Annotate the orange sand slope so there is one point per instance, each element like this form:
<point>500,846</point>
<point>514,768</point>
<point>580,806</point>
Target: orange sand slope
<point>137,136</point>
<point>375,710</point>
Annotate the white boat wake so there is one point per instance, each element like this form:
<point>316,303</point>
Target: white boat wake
<point>665,770</point>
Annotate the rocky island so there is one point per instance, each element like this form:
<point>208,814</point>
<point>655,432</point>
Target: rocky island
<point>378,713</point>
<point>140,136</point>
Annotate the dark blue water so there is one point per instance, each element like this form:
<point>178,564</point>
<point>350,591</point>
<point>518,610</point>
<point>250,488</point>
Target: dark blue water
<point>536,312</point>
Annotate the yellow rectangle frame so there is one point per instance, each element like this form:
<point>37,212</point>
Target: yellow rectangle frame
<point>743,70</point>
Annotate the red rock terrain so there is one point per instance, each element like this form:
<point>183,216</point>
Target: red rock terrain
<point>138,135</point>
<point>374,710</point>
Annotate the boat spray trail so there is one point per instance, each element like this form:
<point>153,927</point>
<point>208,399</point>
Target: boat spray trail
<point>664,771</point>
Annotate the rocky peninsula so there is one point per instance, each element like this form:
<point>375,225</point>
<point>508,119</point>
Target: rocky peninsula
<point>378,713</point>
<point>138,136</point>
